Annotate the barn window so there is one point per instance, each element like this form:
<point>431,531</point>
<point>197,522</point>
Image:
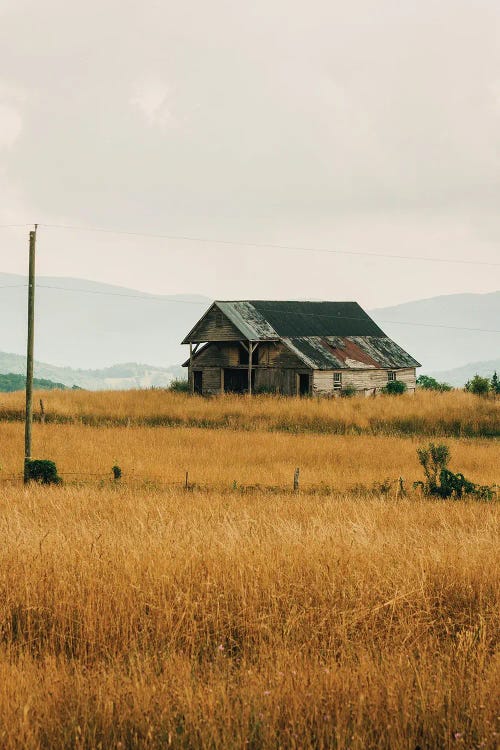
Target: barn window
<point>391,375</point>
<point>219,319</point>
<point>337,380</point>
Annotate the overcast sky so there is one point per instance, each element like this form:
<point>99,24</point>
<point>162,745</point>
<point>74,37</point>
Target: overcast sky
<point>369,126</point>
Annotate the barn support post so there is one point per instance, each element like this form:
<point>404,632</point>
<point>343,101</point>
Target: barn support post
<point>191,374</point>
<point>250,352</point>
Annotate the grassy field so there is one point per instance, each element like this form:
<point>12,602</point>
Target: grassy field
<point>239,614</point>
<point>457,413</point>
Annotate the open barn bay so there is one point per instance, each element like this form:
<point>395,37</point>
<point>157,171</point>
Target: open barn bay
<point>238,613</point>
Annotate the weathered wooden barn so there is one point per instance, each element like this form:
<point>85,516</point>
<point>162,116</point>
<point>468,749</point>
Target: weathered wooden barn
<point>293,348</point>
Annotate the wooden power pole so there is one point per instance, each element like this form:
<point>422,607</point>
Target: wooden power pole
<point>29,357</point>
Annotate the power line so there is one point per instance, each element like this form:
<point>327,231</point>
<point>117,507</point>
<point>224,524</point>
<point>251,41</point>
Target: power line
<point>147,297</point>
<point>270,246</point>
<point>160,298</point>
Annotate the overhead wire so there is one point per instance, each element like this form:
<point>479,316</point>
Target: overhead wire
<point>268,246</point>
<point>161,298</point>
<point>169,300</point>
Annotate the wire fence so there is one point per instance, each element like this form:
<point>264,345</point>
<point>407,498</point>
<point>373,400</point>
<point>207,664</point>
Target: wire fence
<point>397,488</point>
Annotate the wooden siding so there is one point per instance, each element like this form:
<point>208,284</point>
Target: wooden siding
<point>215,326</point>
<point>282,381</point>
<point>368,381</point>
<point>267,355</point>
<point>212,380</point>
<point>280,355</point>
<point>217,355</point>
<point>322,381</point>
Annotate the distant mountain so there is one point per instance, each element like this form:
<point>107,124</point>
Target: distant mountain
<point>442,333</point>
<point>117,377</point>
<point>12,382</point>
<point>85,324</point>
<point>460,375</point>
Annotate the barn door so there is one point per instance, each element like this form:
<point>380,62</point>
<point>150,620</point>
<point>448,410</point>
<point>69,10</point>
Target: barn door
<point>304,384</point>
<point>198,381</point>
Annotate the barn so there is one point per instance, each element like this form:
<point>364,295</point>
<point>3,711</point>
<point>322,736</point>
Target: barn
<point>293,348</point>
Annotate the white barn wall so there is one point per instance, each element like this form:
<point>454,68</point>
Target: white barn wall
<point>362,380</point>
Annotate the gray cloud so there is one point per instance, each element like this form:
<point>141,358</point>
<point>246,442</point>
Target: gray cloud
<point>365,126</point>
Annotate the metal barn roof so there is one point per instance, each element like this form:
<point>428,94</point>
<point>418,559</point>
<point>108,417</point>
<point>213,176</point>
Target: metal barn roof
<point>324,335</point>
<point>270,320</point>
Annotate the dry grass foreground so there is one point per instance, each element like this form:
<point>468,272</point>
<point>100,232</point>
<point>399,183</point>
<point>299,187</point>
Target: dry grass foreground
<point>456,413</point>
<point>133,615</point>
<point>134,619</point>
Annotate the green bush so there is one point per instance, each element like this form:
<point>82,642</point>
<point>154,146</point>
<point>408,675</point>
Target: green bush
<point>348,391</point>
<point>179,385</point>
<point>478,385</point>
<point>431,384</point>
<point>495,383</point>
<point>395,388</point>
<point>44,472</point>
<point>442,482</point>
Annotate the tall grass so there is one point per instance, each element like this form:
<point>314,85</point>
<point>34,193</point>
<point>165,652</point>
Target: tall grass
<point>218,458</point>
<point>136,615</point>
<point>164,619</point>
<point>424,413</point>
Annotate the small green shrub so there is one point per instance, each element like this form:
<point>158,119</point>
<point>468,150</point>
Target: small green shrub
<point>431,384</point>
<point>42,471</point>
<point>478,385</point>
<point>179,385</point>
<point>442,482</point>
<point>117,472</point>
<point>395,388</point>
<point>495,383</point>
<point>348,391</point>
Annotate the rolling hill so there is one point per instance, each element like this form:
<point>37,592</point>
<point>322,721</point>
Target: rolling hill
<point>115,377</point>
<point>90,326</point>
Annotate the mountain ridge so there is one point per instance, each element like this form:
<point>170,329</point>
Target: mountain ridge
<point>115,377</point>
<point>90,325</point>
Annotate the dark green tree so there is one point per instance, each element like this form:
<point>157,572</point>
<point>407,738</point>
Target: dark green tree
<point>478,385</point>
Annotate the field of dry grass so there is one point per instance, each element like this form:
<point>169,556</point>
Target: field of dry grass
<point>218,458</point>
<point>139,615</point>
<point>456,413</point>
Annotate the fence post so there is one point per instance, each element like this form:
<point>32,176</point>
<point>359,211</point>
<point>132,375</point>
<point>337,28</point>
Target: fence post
<point>402,491</point>
<point>296,479</point>
<point>42,412</point>
<point>186,486</point>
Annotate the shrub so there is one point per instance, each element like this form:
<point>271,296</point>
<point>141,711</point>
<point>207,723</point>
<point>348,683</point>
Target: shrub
<point>117,472</point>
<point>179,385</point>
<point>44,472</point>
<point>348,391</point>
<point>431,384</point>
<point>442,482</point>
<point>495,383</point>
<point>395,388</point>
<point>478,385</point>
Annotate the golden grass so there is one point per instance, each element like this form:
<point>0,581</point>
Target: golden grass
<point>133,619</point>
<point>138,615</point>
<point>456,413</point>
<point>217,458</point>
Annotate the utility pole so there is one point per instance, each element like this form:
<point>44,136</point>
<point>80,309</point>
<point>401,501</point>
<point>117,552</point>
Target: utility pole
<point>29,356</point>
